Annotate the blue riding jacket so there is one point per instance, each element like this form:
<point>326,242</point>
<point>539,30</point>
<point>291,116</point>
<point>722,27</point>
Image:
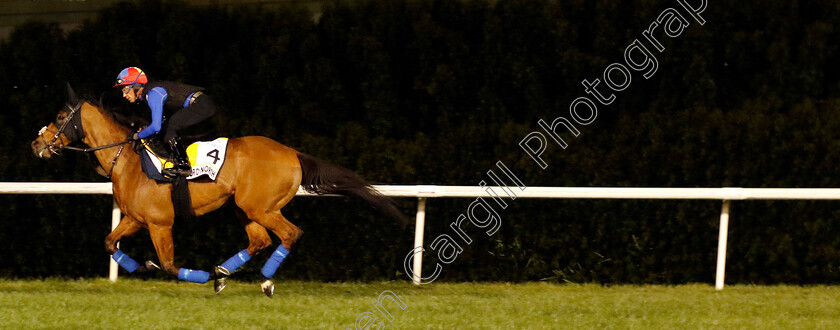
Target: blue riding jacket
<point>163,99</point>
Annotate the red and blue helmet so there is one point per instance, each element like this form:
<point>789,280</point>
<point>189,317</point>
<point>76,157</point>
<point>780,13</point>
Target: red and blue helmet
<point>131,76</point>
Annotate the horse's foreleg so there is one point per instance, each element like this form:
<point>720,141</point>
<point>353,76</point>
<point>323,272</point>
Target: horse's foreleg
<point>258,240</point>
<point>165,248</point>
<point>127,227</point>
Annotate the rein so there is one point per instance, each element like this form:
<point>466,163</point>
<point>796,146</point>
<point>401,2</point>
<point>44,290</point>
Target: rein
<point>115,144</point>
<point>80,135</point>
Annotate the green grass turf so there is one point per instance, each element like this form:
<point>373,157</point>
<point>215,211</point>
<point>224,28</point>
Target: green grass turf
<point>132,303</point>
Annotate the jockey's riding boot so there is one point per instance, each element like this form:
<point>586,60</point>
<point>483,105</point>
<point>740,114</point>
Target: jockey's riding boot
<point>179,158</point>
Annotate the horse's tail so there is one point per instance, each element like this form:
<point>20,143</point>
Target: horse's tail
<point>321,177</point>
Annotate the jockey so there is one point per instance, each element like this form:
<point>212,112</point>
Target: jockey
<point>174,106</point>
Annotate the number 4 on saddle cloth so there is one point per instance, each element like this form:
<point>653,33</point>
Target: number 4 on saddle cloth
<point>205,157</point>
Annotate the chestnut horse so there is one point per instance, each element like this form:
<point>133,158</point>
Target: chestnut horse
<point>260,174</point>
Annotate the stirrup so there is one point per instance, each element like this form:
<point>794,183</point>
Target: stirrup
<point>176,171</point>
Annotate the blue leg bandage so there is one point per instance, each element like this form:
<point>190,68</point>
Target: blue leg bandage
<point>195,276</point>
<point>274,261</point>
<point>125,261</point>
<point>237,261</point>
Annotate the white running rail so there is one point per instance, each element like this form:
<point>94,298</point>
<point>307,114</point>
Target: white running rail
<point>422,192</point>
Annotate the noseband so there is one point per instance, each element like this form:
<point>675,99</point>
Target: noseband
<point>76,134</point>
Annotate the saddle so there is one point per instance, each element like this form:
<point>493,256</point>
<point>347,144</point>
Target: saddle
<point>205,157</point>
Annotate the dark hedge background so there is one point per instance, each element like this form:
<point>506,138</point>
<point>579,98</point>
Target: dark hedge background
<point>435,92</point>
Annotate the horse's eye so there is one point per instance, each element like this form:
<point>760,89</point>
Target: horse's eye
<point>61,117</point>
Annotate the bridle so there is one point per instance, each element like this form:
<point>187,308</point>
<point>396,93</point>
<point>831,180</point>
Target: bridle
<point>77,134</point>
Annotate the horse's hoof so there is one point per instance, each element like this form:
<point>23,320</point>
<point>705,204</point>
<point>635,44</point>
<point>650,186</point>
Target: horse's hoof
<point>220,274</point>
<point>219,285</point>
<point>151,265</point>
<point>267,287</point>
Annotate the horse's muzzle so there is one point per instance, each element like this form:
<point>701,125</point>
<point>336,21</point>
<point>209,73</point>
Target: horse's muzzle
<point>40,149</point>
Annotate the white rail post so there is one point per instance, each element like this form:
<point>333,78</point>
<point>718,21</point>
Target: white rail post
<point>418,239</point>
<point>722,237</point>
<point>113,270</point>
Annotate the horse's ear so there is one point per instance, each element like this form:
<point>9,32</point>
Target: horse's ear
<point>71,95</point>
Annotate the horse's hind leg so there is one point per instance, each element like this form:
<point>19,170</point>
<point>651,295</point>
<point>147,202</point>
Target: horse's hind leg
<point>165,248</point>
<point>288,234</point>
<point>258,240</point>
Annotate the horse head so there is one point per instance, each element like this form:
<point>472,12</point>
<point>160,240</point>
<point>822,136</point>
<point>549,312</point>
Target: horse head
<point>66,129</point>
